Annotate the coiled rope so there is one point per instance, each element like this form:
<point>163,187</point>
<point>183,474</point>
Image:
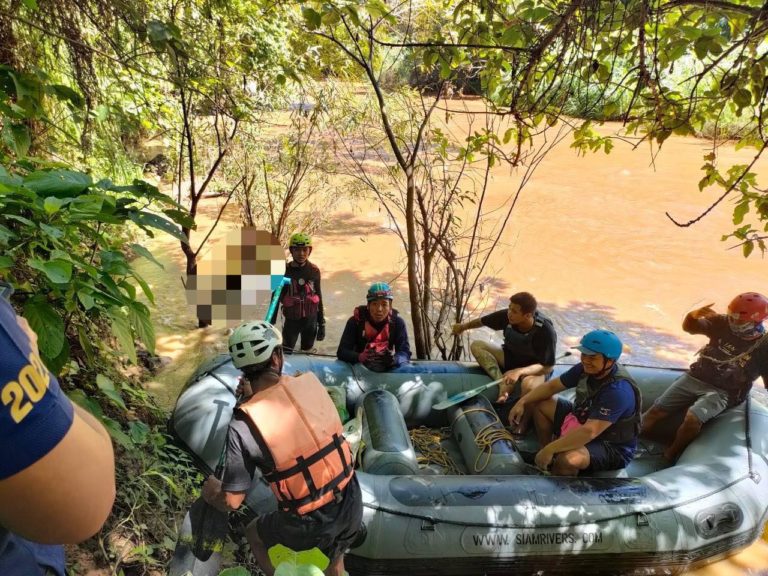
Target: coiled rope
<point>486,437</point>
<point>428,443</point>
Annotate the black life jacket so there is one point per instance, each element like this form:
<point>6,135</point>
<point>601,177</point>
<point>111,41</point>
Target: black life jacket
<point>521,343</point>
<point>621,431</point>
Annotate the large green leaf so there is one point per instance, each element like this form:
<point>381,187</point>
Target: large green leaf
<point>48,325</point>
<point>146,220</point>
<point>60,183</point>
<point>16,137</point>
<point>144,286</point>
<point>109,390</point>
<point>58,271</point>
<point>86,345</point>
<point>138,315</point>
<point>141,251</point>
<point>79,397</point>
<point>66,93</point>
<point>116,431</point>
<point>122,331</point>
<point>6,235</point>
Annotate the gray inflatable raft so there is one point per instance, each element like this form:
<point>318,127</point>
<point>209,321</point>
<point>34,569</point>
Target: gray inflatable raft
<point>499,517</point>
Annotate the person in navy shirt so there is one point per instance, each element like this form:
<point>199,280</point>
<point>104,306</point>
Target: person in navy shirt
<point>57,475</point>
<point>598,431</point>
<point>375,335</point>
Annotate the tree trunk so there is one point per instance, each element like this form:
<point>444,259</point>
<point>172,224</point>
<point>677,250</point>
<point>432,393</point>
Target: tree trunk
<point>417,313</point>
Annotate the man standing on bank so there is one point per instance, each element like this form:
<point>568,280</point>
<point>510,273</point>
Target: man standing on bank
<point>528,352</point>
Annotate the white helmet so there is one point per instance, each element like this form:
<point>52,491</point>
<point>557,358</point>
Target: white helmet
<point>253,343</point>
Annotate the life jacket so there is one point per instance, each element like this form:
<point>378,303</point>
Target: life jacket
<point>621,431</point>
<point>520,344</point>
<point>299,299</point>
<point>313,462</point>
<point>372,338</point>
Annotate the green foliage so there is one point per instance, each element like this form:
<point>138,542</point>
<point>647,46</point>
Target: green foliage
<point>67,262</point>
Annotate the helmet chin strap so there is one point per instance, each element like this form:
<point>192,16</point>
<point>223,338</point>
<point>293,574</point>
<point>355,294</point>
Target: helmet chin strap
<point>747,330</point>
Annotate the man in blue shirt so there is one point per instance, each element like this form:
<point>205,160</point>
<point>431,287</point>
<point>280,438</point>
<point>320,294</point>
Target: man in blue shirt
<point>57,475</point>
<point>599,430</point>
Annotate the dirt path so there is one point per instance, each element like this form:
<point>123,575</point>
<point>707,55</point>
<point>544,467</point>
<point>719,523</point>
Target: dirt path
<point>589,237</point>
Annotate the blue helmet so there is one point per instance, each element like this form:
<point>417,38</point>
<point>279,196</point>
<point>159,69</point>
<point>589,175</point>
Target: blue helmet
<point>602,342</point>
<point>379,291</point>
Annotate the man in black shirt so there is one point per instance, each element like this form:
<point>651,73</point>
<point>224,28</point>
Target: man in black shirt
<point>528,352</point>
<point>735,356</point>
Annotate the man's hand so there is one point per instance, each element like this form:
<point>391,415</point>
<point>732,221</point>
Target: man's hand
<point>511,377</point>
<point>703,312</point>
<point>544,459</point>
<point>211,490</point>
<point>457,328</point>
<point>243,389</point>
<point>380,361</point>
<point>507,385</point>
<point>516,414</point>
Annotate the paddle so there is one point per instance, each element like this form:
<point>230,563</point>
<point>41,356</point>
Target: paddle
<point>205,528</point>
<point>461,396</point>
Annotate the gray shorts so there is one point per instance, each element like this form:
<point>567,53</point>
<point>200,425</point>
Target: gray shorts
<point>688,393</point>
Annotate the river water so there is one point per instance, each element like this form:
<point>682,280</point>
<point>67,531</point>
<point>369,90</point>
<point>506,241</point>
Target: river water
<point>588,237</point>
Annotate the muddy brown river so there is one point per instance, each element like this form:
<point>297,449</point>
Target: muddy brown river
<point>588,237</point>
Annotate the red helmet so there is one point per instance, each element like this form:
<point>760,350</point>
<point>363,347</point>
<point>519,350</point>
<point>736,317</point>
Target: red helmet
<point>748,307</point>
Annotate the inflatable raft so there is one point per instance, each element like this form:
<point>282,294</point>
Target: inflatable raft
<point>490,512</point>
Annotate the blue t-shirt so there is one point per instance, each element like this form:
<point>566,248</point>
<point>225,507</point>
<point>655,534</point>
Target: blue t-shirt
<point>34,416</point>
<point>614,402</point>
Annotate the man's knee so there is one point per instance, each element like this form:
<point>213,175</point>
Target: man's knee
<point>691,422</point>
<point>529,383</point>
<point>652,416</point>
<point>570,463</point>
<point>477,347</point>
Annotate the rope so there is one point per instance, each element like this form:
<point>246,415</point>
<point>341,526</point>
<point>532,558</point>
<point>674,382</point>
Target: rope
<point>486,436</point>
<point>427,443</point>
<point>760,341</point>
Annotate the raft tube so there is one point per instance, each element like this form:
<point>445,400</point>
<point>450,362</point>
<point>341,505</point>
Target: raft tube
<point>500,518</point>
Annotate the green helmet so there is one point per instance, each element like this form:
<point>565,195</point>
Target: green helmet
<point>253,343</point>
<point>379,291</point>
<point>299,240</point>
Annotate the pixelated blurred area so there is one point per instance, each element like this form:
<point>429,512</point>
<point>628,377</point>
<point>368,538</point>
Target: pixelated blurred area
<point>235,280</point>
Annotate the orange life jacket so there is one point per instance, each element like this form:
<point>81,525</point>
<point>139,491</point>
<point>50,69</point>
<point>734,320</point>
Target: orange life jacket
<point>302,431</point>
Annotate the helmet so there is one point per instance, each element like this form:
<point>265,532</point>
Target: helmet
<point>602,342</point>
<point>253,342</point>
<point>300,240</point>
<point>748,307</point>
<point>379,291</point>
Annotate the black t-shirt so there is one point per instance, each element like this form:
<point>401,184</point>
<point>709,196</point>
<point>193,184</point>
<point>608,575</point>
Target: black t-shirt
<point>727,361</point>
<point>244,455</point>
<point>539,342</point>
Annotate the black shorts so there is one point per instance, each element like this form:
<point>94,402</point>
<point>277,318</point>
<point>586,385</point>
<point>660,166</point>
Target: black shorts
<point>332,528</point>
<point>602,455</point>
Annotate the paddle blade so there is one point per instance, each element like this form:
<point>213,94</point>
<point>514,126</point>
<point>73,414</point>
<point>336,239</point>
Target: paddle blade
<point>210,527</point>
<point>461,396</point>
<point>203,533</point>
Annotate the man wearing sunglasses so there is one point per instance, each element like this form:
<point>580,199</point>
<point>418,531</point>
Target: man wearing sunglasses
<point>722,376</point>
